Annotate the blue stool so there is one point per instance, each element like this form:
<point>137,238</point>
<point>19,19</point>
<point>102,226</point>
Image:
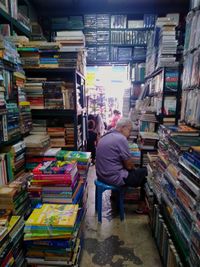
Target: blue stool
<point>100,188</point>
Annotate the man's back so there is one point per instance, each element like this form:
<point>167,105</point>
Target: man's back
<point>112,150</point>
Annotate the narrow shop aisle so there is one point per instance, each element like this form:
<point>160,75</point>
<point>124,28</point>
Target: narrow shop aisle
<point>114,243</point>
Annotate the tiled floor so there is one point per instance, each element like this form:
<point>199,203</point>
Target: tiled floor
<point>114,243</point>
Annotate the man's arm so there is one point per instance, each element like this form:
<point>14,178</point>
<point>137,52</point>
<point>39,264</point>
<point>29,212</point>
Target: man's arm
<point>129,164</point>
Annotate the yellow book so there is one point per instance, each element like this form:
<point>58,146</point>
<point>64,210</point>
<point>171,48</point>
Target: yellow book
<point>53,214</point>
<point>13,221</point>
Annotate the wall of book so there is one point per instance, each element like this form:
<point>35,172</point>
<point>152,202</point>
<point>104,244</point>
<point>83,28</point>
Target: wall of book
<point>190,81</point>
<point>174,180</point>
<point>116,38</point>
<point>164,45</point>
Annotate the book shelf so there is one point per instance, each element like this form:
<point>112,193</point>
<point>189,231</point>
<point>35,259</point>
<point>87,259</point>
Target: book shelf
<point>73,116</point>
<point>9,15</point>
<point>109,38</point>
<point>164,89</point>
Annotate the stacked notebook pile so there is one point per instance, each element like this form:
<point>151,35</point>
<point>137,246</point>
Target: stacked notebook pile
<point>36,146</point>
<point>135,153</point>
<point>11,240</point>
<point>34,92</point>
<point>82,159</point>
<point>14,197</point>
<point>51,235</point>
<point>56,182</point>
<point>177,186</point>
<point>24,105</point>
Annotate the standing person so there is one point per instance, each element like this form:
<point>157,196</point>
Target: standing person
<point>114,163</point>
<point>92,139</point>
<point>116,116</point>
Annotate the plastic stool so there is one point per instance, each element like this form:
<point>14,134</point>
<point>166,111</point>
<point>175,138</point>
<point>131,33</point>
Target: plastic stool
<point>100,188</point>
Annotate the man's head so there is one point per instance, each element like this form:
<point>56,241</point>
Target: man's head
<point>124,126</point>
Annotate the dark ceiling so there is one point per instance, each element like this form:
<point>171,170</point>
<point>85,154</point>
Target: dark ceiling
<point>64,7</point>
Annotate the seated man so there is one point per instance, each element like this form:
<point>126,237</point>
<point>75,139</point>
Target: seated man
<point>114,163</point>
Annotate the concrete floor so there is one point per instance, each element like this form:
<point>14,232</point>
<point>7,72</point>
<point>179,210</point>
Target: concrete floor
<point>114,243</point>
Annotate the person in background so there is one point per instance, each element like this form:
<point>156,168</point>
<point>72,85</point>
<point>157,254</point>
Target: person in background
<point>116,116</point>
<point>114,163</point>
<point>92,140</point>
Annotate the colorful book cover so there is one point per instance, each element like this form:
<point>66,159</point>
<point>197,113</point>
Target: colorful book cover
<point>54,215</point>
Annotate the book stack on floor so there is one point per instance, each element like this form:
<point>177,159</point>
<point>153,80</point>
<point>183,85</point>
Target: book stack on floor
<point>82,159</point>
<point>51,235</point>
<point>56,182</point>
<point>36,146</point>
<point>176,185</point>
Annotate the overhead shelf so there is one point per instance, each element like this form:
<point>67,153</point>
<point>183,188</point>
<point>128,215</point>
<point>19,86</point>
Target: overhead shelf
<point>14,24</point>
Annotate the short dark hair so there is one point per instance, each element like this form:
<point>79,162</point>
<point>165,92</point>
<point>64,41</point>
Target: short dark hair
<point>115,111</point>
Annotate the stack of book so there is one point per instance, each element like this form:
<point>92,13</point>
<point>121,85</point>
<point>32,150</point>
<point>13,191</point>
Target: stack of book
<point>29,56</point>
<point>39,127</point>
<point>57,136</point>
<point>135,153</point>
<point>8,51</point>
<point>70,41</point>
<point>58,95</point>
<point>34,92</point>
<point>147,122</point>
<point>14,156</point>
<point>14,197</point>
<point>11,240</point>
<point>82,159</point>
<point>56,182</point>
<point>177,187</point>
<point>24,105</point>
<point>167,45</point>
<point>33,161</point>
<point>148,140</point>
<point>51,235</point>
<point>13,121</point>
<point>36,146</point>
